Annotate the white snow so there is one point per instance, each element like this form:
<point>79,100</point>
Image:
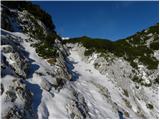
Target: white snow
<point>65,38</point>
<point>45,104</point>
<point>148,42</point>
<point>150,34</point>
<point>156,54</point>
<point>103,95</point>
<point>48,106</point>
<point>88,78</point>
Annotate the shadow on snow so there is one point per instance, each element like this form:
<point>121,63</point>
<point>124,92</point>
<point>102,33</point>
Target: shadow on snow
<point>70,66</point>
<point>37,96</point>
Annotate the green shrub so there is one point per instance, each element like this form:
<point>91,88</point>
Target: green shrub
<point>136,79</point>
<point>150,62</point>
<point>50,38</point>
<point>154,29</point>
<point>133,64</point>
<point>150,106</point>
<point>156,81</point>
<point>154,45</point>
<point>125,93</point>
<point>140,81</point>
<point>46,51</point>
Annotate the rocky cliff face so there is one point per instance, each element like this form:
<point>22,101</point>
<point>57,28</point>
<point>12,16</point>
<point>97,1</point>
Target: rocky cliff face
<point>21,63</point>
<point>43,78</point>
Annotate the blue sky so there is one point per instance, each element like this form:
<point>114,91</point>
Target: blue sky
<point>110,20</point>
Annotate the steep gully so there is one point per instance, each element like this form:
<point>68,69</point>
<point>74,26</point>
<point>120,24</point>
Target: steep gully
<point>89,82</point>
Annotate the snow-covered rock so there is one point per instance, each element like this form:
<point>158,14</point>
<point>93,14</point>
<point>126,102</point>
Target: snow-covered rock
<point>16,99</point>
<point>29,82</point>
<point>117,79</point>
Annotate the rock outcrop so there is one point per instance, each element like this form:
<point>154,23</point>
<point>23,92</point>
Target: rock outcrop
<point>22,66</point>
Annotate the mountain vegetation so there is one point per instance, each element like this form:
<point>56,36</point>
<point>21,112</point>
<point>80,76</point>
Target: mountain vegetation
<point>45,47</point>
<point>130,48</point>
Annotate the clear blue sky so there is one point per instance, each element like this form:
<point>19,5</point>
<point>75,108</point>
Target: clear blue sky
<point>110,20</point>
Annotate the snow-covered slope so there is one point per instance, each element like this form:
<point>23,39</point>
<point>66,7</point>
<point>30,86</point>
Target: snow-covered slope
<point>43,78</point>
<point>41,84</point>
<point>130,79</point>
<point>110,91</point>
